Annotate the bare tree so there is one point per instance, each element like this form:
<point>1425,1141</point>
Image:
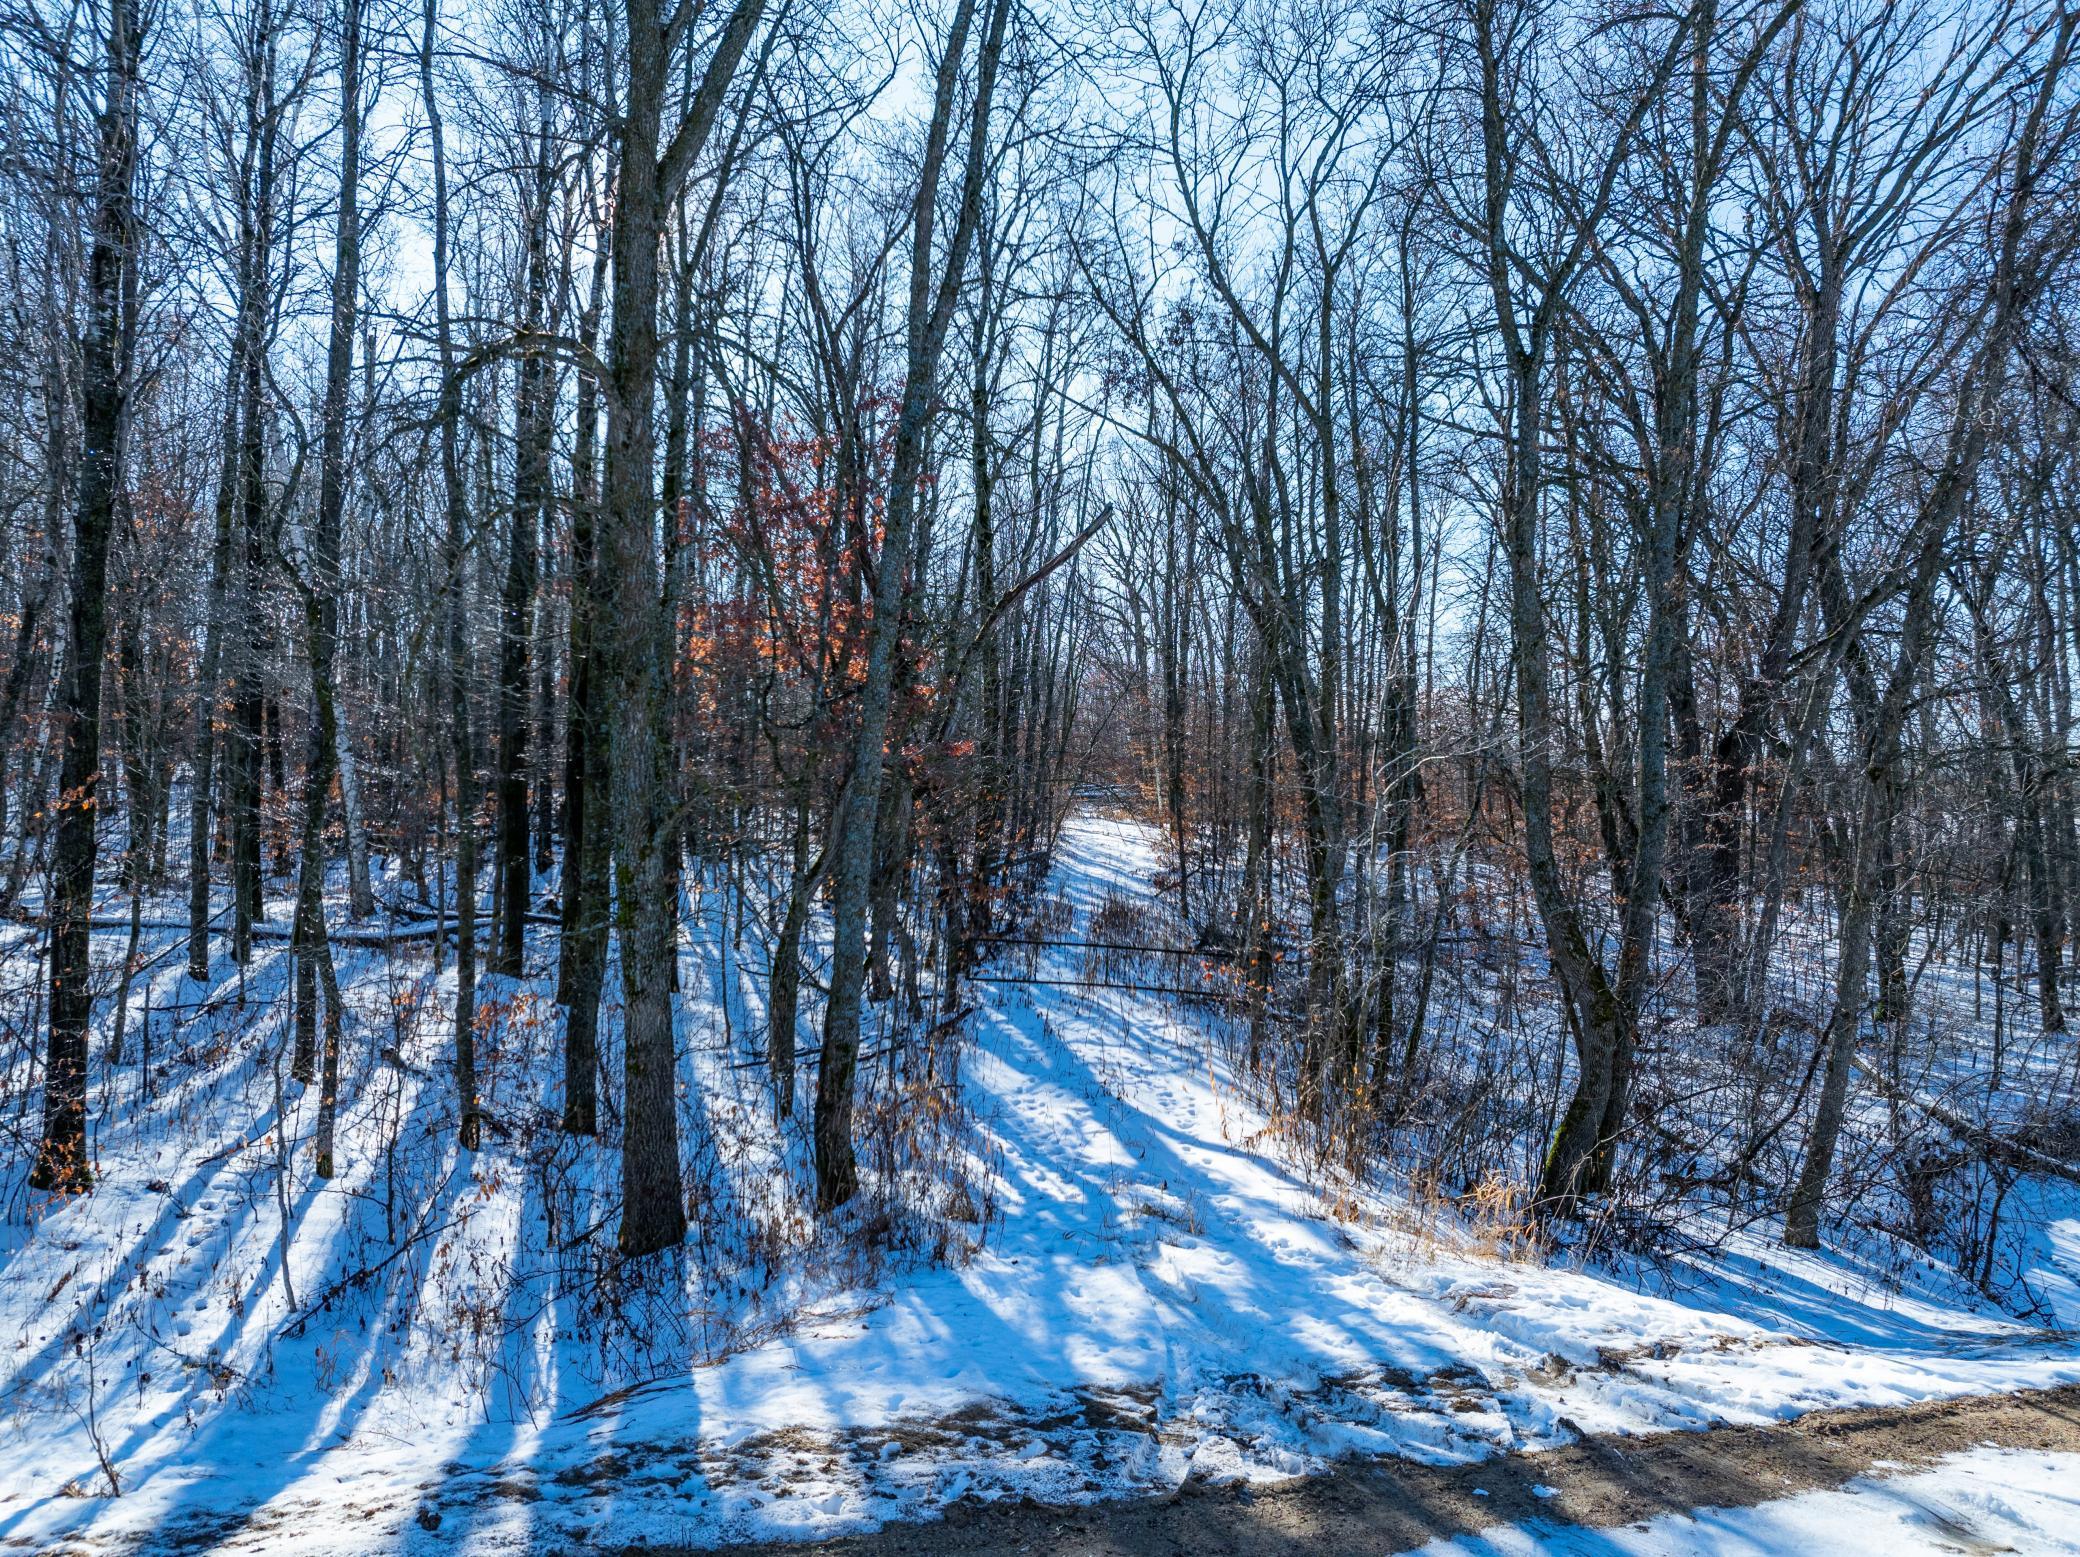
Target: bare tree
<point>61,1155</point>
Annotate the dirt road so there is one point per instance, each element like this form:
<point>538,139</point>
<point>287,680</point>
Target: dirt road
<point>1377,1507</point>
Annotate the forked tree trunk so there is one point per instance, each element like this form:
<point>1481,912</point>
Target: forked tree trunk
<point>645,826</point>
<point>2012,287</point>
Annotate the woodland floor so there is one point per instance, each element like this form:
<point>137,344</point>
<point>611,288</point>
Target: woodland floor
<point>1556,1498</point>
<point>1146,1299</point>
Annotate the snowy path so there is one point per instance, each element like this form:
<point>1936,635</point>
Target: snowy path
<point>1980,1502</point>
<point>1982,1475</point>
<point>1162,1304</point>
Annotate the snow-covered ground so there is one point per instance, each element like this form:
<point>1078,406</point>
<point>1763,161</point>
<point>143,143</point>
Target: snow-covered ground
<point>1150,1294</point>
<point>1989,1500</point>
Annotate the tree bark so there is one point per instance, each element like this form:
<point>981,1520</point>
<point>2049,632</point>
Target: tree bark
<point>61,1158</point>
<point>582,948</point>
<point>532,430</point>
<point>320,589</point>
<point>929,314</point>
<point>454,560</point>
<point>645,824</point>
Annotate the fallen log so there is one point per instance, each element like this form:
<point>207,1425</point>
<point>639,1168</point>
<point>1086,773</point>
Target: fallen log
<point>1988,1143</point>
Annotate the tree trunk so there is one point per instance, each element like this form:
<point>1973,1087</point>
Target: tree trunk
<point>1880,800</point>
<point>837,1177</point>
<point>453,561</point>
<point>61,1157</point>
<point>1950,489</point>
<point>582,950</point>
<point>320,590</point>
<point>532,430</point>
<point>645,827</point>
<point>786,979</point>
<point>361,892</point>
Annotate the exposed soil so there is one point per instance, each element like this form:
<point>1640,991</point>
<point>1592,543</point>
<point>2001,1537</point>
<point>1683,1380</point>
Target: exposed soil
<point>1381,1506</point>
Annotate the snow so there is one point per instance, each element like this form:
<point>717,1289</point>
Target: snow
<point>1987,1500</point>
<point>1159,1296</point>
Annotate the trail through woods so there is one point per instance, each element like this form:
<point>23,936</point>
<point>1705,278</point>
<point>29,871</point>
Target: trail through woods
<point>771,770</point>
